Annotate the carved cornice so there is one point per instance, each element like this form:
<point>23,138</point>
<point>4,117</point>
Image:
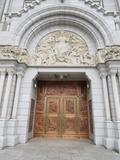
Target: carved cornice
<point>22,56</point>
<point>92,4</point>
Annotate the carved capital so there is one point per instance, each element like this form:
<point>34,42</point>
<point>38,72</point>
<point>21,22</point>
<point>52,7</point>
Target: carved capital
<point>112,72</point>
<point>2,71</point>
<point>103,75</point>
<point>13,52</point>
<point>118,73</point>
<point>108,53</point>
<point>20,73</point>
<point>11,71</point>
<point>59,49</point>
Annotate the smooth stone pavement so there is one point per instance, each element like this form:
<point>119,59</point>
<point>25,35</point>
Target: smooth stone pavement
<point>58,149</point>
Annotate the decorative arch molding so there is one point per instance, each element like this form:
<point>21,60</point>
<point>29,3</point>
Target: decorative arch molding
<point>63,15</point>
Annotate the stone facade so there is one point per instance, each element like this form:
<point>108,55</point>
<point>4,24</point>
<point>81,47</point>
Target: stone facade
<point>65,36</point>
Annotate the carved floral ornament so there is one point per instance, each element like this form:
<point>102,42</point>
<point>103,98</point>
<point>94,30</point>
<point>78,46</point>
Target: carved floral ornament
<point>60,49</point>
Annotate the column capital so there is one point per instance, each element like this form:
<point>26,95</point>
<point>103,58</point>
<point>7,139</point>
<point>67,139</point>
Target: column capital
<point>19,73</point>
<point>2,71</point>
<point>118,73</point>
<point>103,74</point>
<point>10,71</point>
<point>112,72</point>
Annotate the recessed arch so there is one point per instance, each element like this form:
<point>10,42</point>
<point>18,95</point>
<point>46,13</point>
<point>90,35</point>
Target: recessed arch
<point>78,18</point>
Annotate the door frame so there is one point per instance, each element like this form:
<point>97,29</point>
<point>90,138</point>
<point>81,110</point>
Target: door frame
<point>87,110</point>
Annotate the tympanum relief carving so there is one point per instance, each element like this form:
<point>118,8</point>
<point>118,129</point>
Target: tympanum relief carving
<point>63,48</point>
<point>60,48</point>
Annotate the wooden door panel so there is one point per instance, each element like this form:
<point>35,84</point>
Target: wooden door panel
<point>69,126</point>
<point>39,125</point>
<point>61,109</point>
<point>52,115</point>
<point>52,127</point>
<point>53,105</point>
<point>70,104</point>
<point>84,127</point>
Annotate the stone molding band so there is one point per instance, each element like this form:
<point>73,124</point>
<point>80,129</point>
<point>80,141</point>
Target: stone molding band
<point>22,56</point>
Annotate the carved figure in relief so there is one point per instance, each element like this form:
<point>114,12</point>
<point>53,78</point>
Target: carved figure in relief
<point>108,53</point>
<point>9,52</point>
<point>70,106</point>
<point>60,49</point>
<point>63,47</point>
<point>53,107</point>
<point>52,124</point>
<point>70,124</point>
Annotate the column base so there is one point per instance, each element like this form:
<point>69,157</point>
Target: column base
<point>108,143</point>
<point>109,138</point>
<point>117,128</point>
<point>117,145</point>
<point>3,138</point>
<point>3,142</point>
<point>12,137</point>
<point>12,140</point>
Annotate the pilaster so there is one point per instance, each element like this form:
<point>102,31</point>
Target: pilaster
<point>113,74</point>
<point>13,137</point>
<point>119,78</point>
<point>2,80</point>
<point>108,140</point>
<point>106,96</point>
<point>3,137</point>
<point>7,93</point>
<point>17,91</point>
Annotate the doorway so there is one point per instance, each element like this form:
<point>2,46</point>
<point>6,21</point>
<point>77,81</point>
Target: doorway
<point>61,109</point>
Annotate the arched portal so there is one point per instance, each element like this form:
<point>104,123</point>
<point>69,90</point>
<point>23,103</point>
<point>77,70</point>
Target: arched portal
<point>62,106</point>
<point>62,42</point>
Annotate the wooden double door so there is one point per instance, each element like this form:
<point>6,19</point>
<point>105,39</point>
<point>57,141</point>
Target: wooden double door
<point>61,110</point>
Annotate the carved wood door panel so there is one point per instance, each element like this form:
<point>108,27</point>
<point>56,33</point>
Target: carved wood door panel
<point>69,115</point>
<point>61,110</point>
<point>53,116</point>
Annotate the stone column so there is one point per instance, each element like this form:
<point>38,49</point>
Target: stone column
<point>108,139</point>
<point>2,79</point>
<point>115,94</point>
<point>119,78</point>
<point>7,94</point>
<point>17,92</point>
<point>106,96</point>
<point>12,95</point>
<point>113,74</point>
